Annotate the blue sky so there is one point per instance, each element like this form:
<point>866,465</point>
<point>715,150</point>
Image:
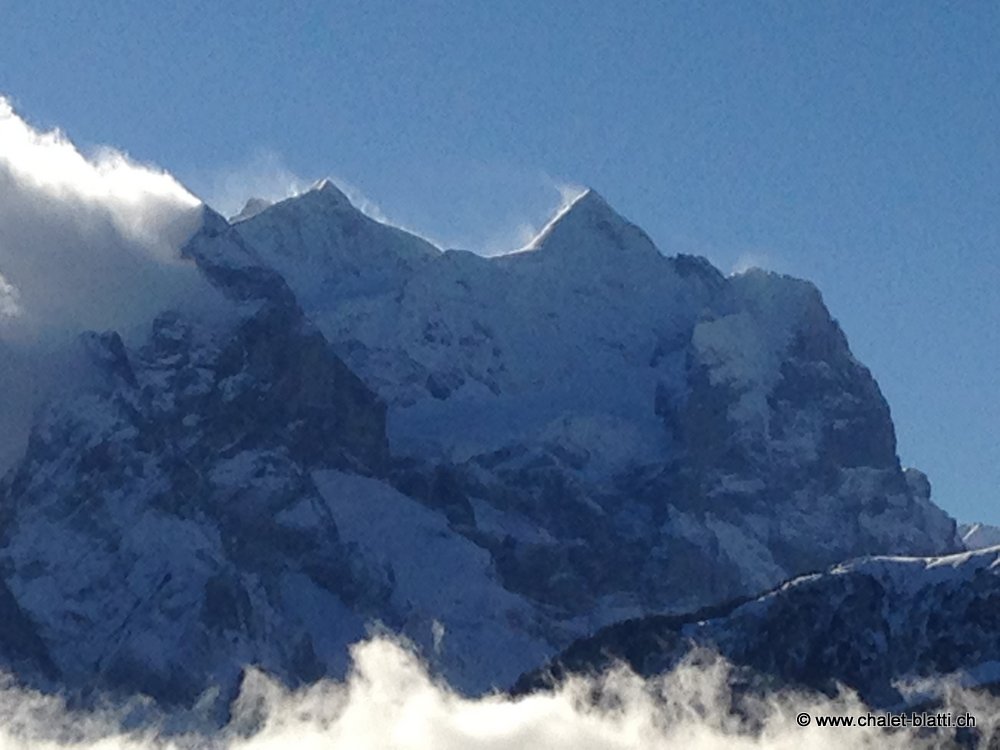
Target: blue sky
<point>857,145</point>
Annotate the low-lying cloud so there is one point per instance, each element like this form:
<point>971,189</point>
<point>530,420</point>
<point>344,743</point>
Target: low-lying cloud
<point>390,702</point>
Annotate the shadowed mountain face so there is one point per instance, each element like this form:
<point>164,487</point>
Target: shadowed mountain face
<point>490,456</point>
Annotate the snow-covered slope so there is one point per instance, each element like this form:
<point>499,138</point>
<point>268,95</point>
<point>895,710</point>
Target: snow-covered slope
<point>879,626</point>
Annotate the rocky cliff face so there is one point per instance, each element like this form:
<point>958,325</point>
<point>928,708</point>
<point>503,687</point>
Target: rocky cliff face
<point>146,529</point>
<point>491,456</point>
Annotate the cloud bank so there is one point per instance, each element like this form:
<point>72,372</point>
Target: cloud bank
<point>390,702</point>
<point>85,243</point>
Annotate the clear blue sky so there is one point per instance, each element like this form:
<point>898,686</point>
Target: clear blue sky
<point>854,144</point>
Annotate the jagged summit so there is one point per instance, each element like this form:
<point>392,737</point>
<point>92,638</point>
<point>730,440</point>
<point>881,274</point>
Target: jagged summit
<point>588,225</point>
<point>324,190</point>
<point>589,200</point>
<point>328,249</point>
<point>322,197</point>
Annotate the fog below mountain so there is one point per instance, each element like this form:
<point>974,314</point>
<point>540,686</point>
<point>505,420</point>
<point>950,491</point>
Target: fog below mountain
<point>389,701</point>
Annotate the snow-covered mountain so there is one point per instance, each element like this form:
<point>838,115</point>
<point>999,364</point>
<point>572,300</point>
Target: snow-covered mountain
<point>214,502</point>
<point>880,626</point>
<point>492,456</point>
<point>589,390</point>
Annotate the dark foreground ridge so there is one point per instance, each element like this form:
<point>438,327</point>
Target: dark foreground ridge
<point>870,625</point>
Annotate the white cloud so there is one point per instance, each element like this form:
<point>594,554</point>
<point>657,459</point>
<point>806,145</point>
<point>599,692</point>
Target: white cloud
<point>390,702</point>
<point>85,242</point>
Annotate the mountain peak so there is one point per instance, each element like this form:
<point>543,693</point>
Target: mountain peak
<point>588,225</point>
<point>330,193</point>
<point>589,199</point>
<point>324,193</point>
<point>319,198</point>
<point>587,205</point>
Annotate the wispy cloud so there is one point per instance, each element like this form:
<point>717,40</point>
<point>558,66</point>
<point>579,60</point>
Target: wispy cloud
<point>524,226</point>
<point>264,174</point>
<point>748,259</point>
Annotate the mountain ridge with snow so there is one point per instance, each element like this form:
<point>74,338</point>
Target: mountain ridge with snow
<point>561,438</point>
